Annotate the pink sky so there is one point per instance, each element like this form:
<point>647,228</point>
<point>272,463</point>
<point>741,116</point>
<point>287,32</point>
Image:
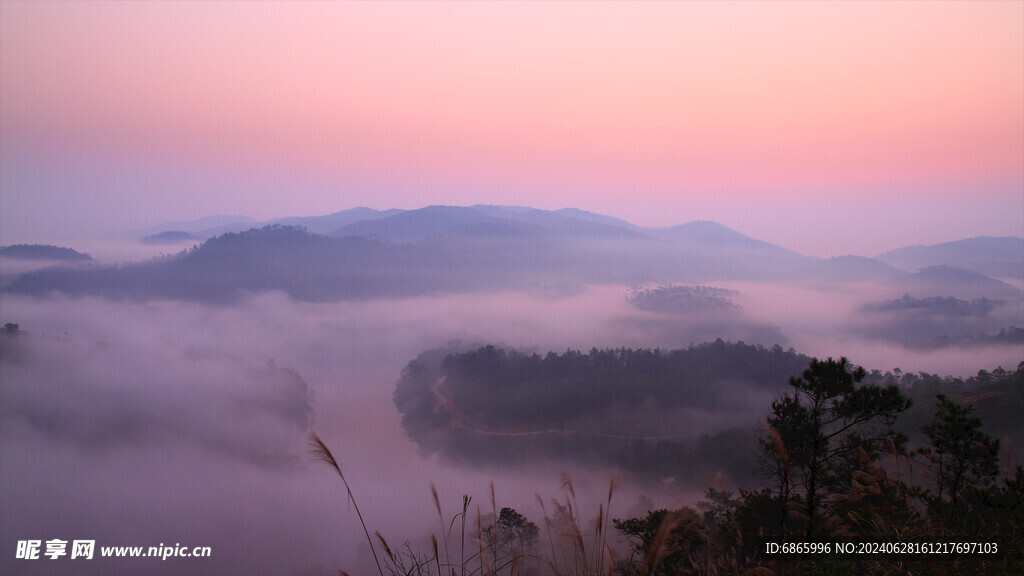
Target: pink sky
<point>828,128</point>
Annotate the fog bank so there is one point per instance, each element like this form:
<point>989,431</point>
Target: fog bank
<point>137,424</point>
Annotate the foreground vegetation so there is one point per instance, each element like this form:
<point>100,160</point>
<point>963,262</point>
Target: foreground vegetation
<point>842,489</point>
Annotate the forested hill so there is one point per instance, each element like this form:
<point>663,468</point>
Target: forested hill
<point>42,252</point>
<point>474,252</point>
<point>447,250</point>
<point>683,412</point>
<point>307,266</point>
<point>691,414</point>
<point>996,257</point>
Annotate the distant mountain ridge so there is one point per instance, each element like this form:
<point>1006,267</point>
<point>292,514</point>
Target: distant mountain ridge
<point>958,282</point>
<point>427,251</point>
<point>431,222</point>
<point>703,231</point>
<point>453,249</point>
<point>329,223</point>
<point>456,221</point>
<point>999,257</point>
<point>200,225</point>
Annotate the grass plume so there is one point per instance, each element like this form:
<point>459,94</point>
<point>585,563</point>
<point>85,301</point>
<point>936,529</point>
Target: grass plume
<point>321,452</point>
<point>440,516</point>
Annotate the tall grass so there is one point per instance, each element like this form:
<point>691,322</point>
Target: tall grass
<point>567,537</point>
<point>321,452</point>
<point>574,550</point>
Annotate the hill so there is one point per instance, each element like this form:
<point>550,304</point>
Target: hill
<point>169,237</point>
<point>687,413</point>
<point>453,249</point>
<point>433,222</point>
<point>438,249</point>
<point>200,225</point>
<point>998,257</point>
<point>958,282</point>
<point>331,222</point>
<point>43,252</point>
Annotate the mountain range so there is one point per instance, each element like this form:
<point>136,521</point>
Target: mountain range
<point>365,253</point>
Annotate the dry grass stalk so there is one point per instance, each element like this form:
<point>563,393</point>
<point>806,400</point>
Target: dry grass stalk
<point>321,452</point>
<point>480,539</point>
<point>440,517</point>
<point>895,457</point>
<point>494,505</point>
<point>437,557</point>
<point>659,544</point>
<point>598,529</point>
<point>613,485</point>
<point>466,499</point>
<point>548,524</point>
<point>776,439</point>
<point>384,543</point>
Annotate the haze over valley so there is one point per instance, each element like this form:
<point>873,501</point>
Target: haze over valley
<point>510,288</point>
<point>178,376</point>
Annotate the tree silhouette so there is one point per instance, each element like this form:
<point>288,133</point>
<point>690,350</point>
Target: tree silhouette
<point>960,454</point>
<point>821,426</point>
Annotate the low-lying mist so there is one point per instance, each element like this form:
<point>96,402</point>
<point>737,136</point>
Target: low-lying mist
<point>137,424</point>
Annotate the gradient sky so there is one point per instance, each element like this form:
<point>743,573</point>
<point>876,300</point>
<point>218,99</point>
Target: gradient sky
<point>829,128</point>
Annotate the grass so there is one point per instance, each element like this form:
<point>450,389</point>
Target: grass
<point>574,550</point>
<point>323,453</point>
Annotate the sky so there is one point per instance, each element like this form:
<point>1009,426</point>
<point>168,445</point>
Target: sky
<point>829,127</point>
